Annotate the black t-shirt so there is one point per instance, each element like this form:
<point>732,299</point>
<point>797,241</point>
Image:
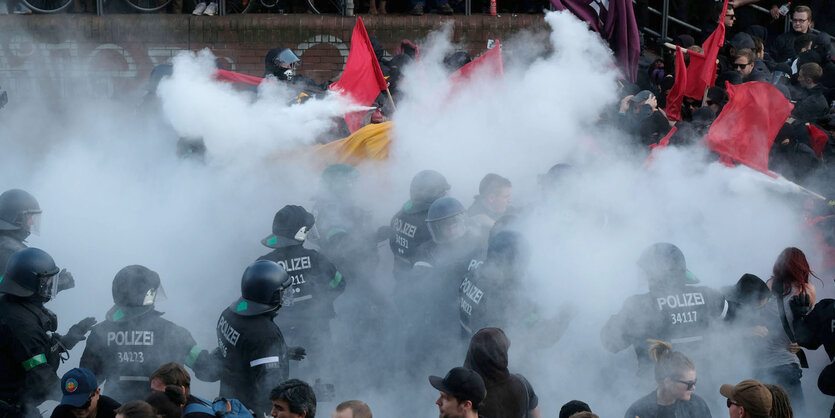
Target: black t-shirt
<point>106,408</point>
<point>647,407</point>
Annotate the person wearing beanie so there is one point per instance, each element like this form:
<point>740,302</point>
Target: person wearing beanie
<point>747,399</point>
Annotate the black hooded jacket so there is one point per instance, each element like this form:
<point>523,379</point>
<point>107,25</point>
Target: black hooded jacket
<point>508,395</point>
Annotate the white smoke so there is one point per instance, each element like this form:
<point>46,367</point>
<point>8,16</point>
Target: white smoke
<point>114,193</point>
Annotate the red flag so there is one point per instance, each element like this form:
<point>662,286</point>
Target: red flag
<point>702,71</point>
<point>748,124</point>
<point>234,77</point>
<point>659,146</point>
<point>489,62</point>
<point>818,139</point>
<point>676,96</point>
<point>362,78</point>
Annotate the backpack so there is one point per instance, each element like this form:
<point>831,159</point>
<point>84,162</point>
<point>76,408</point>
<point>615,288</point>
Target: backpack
<point>221,407</point>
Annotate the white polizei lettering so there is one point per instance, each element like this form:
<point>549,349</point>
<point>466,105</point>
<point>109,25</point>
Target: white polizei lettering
<point>294,264</point>
<point>264,360</point>
<point>230,334</point>
<point>474,264</point>
<point>132,337</point>
<point>405,228</point>
<point>682,300</point>
<point>472,292</point>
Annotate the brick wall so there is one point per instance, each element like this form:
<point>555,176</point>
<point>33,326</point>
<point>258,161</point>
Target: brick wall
<point>115,53</point>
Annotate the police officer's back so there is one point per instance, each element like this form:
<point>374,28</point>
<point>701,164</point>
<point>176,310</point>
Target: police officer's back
<point>672,310</point>
<point>255,355</point>
<point>409,224</point>
<point>30,349</point>
<point>135,339</point>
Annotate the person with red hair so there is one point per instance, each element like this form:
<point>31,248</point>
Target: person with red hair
<point>782,358</point>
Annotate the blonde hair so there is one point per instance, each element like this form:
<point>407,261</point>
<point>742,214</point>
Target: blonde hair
<point>668,363</point>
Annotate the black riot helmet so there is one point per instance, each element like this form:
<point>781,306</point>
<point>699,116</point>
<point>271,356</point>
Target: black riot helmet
<point>19,210</point>
<point>30,272</point>
<point>282,63</point>
<point>663,265</point>
<point>447,220</point>
<point>427,186</point>
<point>262,288</point>
<point>508,249</point>
<point>291,226</point>
<point>135,290</point>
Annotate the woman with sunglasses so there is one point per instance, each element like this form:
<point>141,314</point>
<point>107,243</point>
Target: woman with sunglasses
<point>675,375</point>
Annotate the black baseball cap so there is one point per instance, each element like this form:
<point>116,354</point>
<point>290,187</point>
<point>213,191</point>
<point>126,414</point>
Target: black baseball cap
<point>461,383</point>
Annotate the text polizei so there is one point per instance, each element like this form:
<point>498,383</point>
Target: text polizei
<point>131,337</point>
<point>471,292</point>
<point>681,300</point>
<point>230,334</point>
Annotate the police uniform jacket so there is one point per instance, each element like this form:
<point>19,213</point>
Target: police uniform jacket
<point>679,314</point>
<point>254,359</point>
<point>124,350</point>
<point>410,232</point>
<point>29,353</point>
<point>818,327</point>
<point>8,246</point>
<point>316,283</point>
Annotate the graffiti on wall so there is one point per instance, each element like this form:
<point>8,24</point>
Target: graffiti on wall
<point>65,69</point>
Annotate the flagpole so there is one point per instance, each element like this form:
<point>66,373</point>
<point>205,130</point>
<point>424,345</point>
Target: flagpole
<point>391,99</point>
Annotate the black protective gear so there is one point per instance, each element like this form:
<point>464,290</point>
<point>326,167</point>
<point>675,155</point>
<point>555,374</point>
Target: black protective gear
<point>135,289</point>
<point>65,280</point>
<point>15,207</point>
<point>291,225</point>
<point>446,220</point>
<point>427,186</point>
<point>30,272</point>
<point>78,332</point>
<point>262,287</point>
<point>29,353</point>
<point>254,358</point>
<point>297,353</point>
<point>800,305</point>
<point>664,264</point>
<point>281,62</point>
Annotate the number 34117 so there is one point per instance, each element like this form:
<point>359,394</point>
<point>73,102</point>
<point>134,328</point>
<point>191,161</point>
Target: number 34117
<point>684,317</point>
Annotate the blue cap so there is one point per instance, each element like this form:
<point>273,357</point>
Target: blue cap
<point>77,385</point>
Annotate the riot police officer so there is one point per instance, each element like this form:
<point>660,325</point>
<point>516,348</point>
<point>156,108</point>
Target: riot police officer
<point>673,310</point>
<point>409,224</point>
<point>31,350</point>
<point>135,339</point>
<point>315,282</point>
<point>282,63</point>
<point>20,216</point>
<point>255,355</point>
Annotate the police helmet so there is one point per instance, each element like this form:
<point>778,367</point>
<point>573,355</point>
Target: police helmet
<point>262,287</point>
<point>446,220</point>
<point>30,272</point>
<point>281,62</point>
<point>509,248</point>
<point>135,290</point>
<point>291,225</point>
<point>663,262</point>
<point>427,186</point>
<point>19,210</point>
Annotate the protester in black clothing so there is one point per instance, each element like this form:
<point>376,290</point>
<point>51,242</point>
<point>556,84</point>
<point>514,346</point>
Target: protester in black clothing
<point>82,397</point>
<point>135,339</point>
<point>409,224</point>
<point>673,310</point>
<point>30,349</point>
<point>508,395</point>
<point>675,375</point>
<point>784,45</point>
<point>251,344</point>
<point>316,282</point>
<point>175,374</point>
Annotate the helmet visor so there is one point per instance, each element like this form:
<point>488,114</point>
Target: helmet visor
<point>448,229</point>
<point>32,220</point>
<point>154,295</point>
<point>48,288</point>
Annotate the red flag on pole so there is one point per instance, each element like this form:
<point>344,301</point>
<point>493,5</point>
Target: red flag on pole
<point>702,71</point>
<point>489,62</point>
<point>362,78</point>
<point>233,77</point>
<point>748,124</point>
<point>676,96</point>
<point>659,146</point>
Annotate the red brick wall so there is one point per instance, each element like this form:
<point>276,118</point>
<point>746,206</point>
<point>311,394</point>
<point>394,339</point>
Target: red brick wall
<point>115,53</point>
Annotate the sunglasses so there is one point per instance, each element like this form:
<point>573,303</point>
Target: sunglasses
<point>730,402</point>
<point>799,20</point>
<point>733,17</point>
<point>690,385</point>
<point>741,65</point>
